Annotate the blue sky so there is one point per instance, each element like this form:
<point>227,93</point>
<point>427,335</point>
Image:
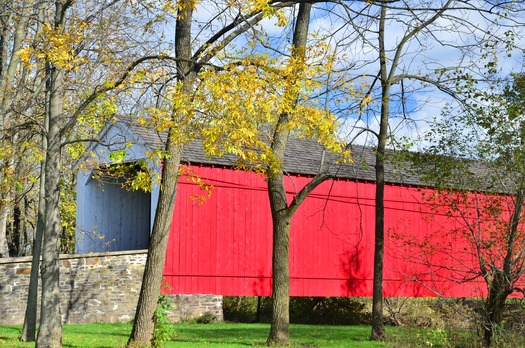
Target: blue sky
<point>449,43</point>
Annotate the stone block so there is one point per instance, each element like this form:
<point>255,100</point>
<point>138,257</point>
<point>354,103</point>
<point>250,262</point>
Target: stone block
<point>92,261</point>
<point>23,270</point>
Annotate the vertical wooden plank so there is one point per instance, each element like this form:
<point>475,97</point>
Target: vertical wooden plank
<point>213,252</point>
<point>230,237</point>
<point>184,231</point>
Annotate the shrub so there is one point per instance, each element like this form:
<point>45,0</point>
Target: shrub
<point>206,318</point>
<point>303,310</point>
<point>163,329</point>
<point>243,309</point>
<point>329,311</point>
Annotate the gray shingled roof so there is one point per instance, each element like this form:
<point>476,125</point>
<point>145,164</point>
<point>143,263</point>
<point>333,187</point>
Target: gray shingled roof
<point>303,156</point>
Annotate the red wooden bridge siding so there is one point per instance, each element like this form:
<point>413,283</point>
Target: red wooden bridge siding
<point>223,246</point>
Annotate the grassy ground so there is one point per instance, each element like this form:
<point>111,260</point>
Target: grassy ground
<point>240,335</point>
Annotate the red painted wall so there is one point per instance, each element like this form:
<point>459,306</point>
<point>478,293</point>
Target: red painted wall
<point>223,246</point>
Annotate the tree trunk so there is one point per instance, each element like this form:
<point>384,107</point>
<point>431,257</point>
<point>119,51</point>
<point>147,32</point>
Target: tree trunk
<point>50,331</point>
<point>17,236</point>
<point>498,291</point>
<point>387,78</point>
<point>281,213</point>
<point>499,281</point>
<point>258,315</point>
<point>9,65</point>
<point>378,330</point>
<point>143,326</point>
<point>4,215</point>
<point>280,263</point>
<point>29,329</point>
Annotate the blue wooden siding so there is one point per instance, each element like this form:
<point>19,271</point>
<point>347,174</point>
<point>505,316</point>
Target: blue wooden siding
<point>110,218</point>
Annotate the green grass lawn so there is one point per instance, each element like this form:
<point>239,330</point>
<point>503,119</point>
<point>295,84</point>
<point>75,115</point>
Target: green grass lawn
<point>236,335</point>
<point>242,335</point>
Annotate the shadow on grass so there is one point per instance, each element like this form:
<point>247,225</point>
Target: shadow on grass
<point>256,335</point>
<point>96,335</point>
<point>221,334</point>
<point>205,335</point>
<point>10,337</point>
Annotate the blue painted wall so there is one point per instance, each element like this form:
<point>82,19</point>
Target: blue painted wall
<point>109,217</point>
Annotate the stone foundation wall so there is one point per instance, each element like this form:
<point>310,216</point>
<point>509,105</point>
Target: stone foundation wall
<point>99,287</point>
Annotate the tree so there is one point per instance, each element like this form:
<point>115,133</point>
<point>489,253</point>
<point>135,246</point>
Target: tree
<point>477,163</point>
<point>15,18</point>
<point>407,66</point>
<point>21,86</point>
<point>177,116</point>
<point>255,125</point>
<point>387,77</point>
<point>225,107</point>
<point>70,47</point>
<point>50,331</point>
<point>143,325</point>
<point>30,316</point>
<point>281,212</point>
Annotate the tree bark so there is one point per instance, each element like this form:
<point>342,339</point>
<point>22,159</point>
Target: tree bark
<point>281,213</point>
<point>143,326</point>
<point>50,330</point>
<point>499,281</point>
<point>9,64</point>
<point>280,262</point>
<point>378,330</point>
<point>30,317</point>
<point>499,288</point>
<point>387,78</point>
<point>4,215</point>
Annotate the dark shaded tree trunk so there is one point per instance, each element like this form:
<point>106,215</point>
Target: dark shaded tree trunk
<point>387,77</point>
<point>378,330</point>
<point>499,281</point>
<point>30,317</point>
<point>499,290</point>
<point>259,305</point>
<point>29,329</point>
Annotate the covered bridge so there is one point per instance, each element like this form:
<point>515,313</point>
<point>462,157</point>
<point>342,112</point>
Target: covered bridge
<point>222,244</point>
